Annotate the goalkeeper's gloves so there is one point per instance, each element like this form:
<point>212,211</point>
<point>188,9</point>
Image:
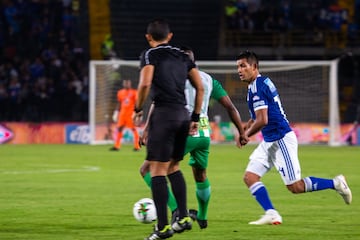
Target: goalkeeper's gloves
<point>115,116</point>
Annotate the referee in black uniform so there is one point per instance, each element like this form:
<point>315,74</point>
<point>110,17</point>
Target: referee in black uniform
<point>164,70</point>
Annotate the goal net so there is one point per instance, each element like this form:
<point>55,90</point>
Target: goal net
<point>308,91</point>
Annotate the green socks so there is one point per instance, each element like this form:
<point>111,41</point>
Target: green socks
<point>203,192</point>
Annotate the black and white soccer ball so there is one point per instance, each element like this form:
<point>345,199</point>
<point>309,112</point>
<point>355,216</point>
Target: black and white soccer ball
<point>144,210</point>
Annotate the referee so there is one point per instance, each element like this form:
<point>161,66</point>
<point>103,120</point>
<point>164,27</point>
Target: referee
<point>164,70</point>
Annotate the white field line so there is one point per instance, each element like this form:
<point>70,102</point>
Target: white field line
<point>82,169</point>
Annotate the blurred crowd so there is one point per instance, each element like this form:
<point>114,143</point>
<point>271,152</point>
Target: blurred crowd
<point>332,22</point>
<point>43,68</point>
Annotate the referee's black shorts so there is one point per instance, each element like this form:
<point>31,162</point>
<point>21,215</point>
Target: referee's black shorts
<point>168,130</point>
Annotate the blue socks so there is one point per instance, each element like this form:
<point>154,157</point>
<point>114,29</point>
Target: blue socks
<point>316,184</point>
<point>261,195</point>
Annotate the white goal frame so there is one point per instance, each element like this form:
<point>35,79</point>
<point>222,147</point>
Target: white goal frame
<point>230,66</point>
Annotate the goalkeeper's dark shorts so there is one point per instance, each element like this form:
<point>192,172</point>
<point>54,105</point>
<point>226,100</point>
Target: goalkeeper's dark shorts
<point>168,130</point>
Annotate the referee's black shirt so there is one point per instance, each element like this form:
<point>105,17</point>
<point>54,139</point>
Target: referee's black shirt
<point>171,71</point>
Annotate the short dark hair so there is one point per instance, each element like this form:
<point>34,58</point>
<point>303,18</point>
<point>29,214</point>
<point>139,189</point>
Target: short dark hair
<point>158,28</point>
<point>250,56</point>
<point>188,51</point>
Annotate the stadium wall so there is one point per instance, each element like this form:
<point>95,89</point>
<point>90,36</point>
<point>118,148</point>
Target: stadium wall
<point>194,23</point>
<point>78,133</point>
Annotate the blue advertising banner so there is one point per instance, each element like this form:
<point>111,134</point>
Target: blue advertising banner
<point>77,134</point>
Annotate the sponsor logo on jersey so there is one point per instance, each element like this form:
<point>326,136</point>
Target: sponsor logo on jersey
<point>255,98</point>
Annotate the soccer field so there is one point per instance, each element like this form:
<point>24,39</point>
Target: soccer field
<point>50,192</point>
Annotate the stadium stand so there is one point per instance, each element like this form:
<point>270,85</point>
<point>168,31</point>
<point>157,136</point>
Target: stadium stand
<point>43,68</point>
<point>44,45</point>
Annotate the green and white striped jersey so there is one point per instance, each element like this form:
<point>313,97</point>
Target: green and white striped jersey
<point>212,89</point>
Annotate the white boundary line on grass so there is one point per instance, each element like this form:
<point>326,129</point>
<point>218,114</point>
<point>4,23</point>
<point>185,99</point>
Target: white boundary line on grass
<point>82,169</point>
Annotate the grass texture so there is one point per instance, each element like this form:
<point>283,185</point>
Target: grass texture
<point>67,192</point>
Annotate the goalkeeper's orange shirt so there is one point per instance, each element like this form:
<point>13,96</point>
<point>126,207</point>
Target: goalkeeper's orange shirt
<point>127,100</point>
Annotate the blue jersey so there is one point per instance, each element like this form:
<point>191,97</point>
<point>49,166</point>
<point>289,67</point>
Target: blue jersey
<point>262,93</point>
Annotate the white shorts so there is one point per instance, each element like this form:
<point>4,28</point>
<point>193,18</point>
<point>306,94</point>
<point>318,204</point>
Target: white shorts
<point>283,154</point>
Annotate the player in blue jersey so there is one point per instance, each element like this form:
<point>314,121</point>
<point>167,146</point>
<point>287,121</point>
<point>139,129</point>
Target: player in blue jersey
<point>279,148</point>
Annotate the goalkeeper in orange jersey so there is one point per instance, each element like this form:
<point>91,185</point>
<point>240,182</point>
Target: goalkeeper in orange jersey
<point>126,98</point>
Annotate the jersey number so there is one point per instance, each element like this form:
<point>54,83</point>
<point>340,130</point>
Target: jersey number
<point>277,100</point>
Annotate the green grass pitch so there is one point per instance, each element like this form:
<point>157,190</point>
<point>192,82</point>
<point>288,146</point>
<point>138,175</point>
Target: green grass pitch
<point>50,192</point>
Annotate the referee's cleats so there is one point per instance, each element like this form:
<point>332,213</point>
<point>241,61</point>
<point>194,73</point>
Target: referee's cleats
<point>181,225</point>
<point>174,216</point>
<point>342,188</point>
<point>166,232</point>
<point>271,217</point>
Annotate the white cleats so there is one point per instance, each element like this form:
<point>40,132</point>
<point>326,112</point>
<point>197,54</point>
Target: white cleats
<point>271,217</point>
<point>342,188</point>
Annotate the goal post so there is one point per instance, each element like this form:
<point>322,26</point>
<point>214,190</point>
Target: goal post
<point>334,111</point>
<point>105,79</point>
<point>308,91</point>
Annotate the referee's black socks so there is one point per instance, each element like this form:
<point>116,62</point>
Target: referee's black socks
<point>178,187</point>
<point>160,196</point>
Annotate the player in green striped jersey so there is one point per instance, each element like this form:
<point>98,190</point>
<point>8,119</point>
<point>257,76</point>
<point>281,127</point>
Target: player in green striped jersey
<point>198,144</point>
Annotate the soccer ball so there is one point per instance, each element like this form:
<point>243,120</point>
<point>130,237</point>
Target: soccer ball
<point>144,210</point>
